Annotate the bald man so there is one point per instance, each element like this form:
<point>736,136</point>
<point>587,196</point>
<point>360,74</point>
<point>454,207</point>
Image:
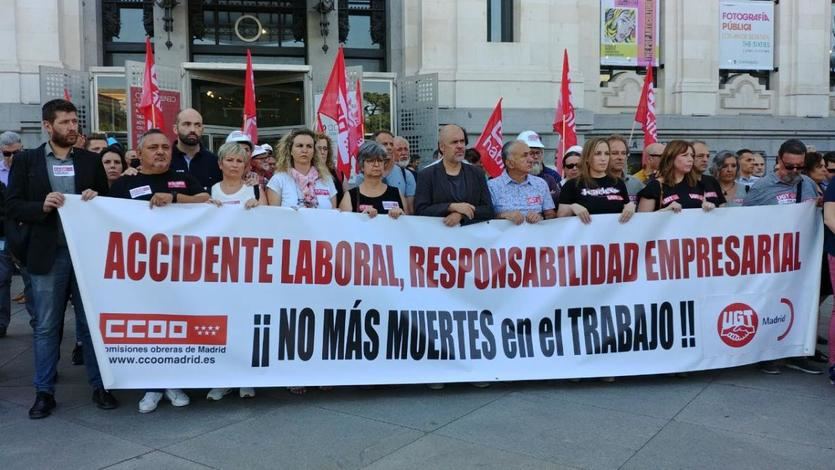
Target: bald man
<point>451,189</point>
<point>651,158</point>
<point>188,155</point>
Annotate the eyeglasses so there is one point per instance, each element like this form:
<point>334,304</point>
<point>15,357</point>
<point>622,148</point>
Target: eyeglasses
<point>831,171</point>
<point>376,161</point>
<point>792,167</point>
<point>10,154</point>
<point>570,166</point>
<point>655,155</point>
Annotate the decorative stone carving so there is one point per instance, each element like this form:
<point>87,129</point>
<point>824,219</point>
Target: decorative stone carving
<point>623,91</point>
<point>744,93</point>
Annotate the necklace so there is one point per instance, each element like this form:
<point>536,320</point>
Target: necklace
<point>726,189</point>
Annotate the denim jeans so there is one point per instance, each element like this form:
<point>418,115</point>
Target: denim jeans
<point>51,292</point>
<point>6,270</point>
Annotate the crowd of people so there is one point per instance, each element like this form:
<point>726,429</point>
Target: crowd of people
<point>299,172</point>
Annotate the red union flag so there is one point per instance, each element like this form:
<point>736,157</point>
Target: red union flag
<point>149,103</point>
<point>645,113</point>
<point>564,118</point>
<point>152,328</point>
<point>489,144</point>
<point>334,105</point>
<point>250,126</point>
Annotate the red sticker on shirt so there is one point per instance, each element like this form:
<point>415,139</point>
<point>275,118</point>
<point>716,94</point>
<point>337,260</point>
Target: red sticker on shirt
<point>176,185</point>
<point>670,199</point>
<point>697,197</point>
<point>365,207</point>
<point>614,197</point>
<point>534,200</point>
<point>711,194</point>
<point>322,192</point>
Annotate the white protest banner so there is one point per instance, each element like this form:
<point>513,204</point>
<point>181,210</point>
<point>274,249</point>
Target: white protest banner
<point>196,296</point>
<point>746,35</point>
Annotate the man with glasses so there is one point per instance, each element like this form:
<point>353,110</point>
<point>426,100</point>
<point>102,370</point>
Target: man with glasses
<point>650,160</point>
<point>10,146</point>
<point>785,186</point>
<point>538,168</point>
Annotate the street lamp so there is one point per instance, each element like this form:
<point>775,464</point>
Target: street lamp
<point>323,8</point>
<point>167,18</point>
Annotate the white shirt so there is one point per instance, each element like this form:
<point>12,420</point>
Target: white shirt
<point>291,195</point>
<point>240,197</point>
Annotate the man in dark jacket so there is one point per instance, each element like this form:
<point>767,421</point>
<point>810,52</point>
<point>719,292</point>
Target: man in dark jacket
<point>37,184</point>
<point>188,154</point>
<point>452,189</point>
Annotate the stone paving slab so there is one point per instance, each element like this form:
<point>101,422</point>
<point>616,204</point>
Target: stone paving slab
<point>158,460</point>
<point>685,445</point>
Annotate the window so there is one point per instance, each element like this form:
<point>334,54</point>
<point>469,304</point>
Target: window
<point>362,31</point>
<point>222,104</point>
<point>125,23</point>
<point>500,20</point>
<point>269,28</point>
<point>111,103</point>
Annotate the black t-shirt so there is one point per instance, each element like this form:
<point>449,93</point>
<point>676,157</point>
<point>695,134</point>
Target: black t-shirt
<point>713,192</point>
<point>607,196</point>
<point>689,197</point>
<point>142,187</point>
<point>457,186</point>
<point>383,203</point>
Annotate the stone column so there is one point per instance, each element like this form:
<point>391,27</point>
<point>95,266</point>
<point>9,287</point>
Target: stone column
<point>802,58</point>
<point>690,54</point>
<point>321,62</point>
<point>180,37</point>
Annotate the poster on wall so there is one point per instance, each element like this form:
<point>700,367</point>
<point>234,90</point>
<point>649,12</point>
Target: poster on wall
<point>746,35</point>
<point>629,32</point>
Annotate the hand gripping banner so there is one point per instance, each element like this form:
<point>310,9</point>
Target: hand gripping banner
<point>196,296</point>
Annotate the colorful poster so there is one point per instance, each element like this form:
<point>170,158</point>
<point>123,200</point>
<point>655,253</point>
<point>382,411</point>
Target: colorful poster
<point>746,35</point>
<point>629,32</point>
<point>170,107</point>
<point>198,296</point>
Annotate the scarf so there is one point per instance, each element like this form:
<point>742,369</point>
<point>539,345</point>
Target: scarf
<point>306,184</point>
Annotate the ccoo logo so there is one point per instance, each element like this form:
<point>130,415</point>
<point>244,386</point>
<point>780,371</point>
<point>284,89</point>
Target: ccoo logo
<point>149,328</point>
<point>737,324</point>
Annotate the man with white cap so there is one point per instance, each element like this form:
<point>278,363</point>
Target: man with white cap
<point>539,168</point>
<point>262,166</point>
<point>188,155</point>
<point>241,138</point>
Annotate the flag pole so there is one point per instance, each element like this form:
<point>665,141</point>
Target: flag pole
<point>631,132</point>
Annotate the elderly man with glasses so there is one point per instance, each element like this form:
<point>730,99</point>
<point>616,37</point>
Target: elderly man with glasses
<point>649,160</point>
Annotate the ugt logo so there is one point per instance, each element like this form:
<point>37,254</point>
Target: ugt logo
<point>737,324</point>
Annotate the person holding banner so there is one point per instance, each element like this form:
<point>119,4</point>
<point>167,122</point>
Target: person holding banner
<point>233,160</point>
<point>594,191</point>
<point>394,175</point>
<point>787,185</point>
<point>677,186</point>
<point>38,180</point>
<point>301,178</point>
<point>551,177</point>
<point>373,196</point>
<point>451,189</point>
<point>518,196</point>
<point>829,251</point>
<point>157,183</point>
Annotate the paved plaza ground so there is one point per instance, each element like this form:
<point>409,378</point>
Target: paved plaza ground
<point>733,418</point>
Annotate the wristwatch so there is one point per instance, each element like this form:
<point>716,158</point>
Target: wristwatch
<point>174,196</point>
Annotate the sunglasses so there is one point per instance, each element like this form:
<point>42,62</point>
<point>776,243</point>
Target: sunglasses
<point>792,167</point>
<point>10,154</point>
<point>655,155</point>
<point>831,171</point>
<point>570,166</point>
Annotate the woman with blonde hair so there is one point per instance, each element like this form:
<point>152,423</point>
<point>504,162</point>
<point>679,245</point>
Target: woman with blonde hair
<point>301,177</point>
<point>594,191</point>
<point>677,187</point>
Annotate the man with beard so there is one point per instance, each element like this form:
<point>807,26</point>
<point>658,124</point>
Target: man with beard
<point>618,154</point>
<point>539,168</point>
<point>785,186</point>
<point>402,157</point>
<point>451,189</point>
<point>37,184</point>
<point>188,156</point>
<point>712,190</point>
